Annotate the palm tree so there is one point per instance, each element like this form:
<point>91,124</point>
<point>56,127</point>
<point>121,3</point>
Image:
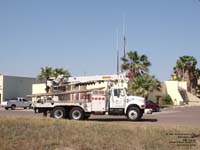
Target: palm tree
<point>143,85</point>
<point>185,69</point>
<point>179,69</point>
<point>197,72</point>
<point>61,71</point>
<point>135,63</point>
<point>45,74</point>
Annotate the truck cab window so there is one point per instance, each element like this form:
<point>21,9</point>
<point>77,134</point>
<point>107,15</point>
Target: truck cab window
<point>117,92</point>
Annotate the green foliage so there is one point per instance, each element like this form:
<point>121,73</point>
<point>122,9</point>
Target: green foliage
<point>184,64</point>
<point>198,90</point>
<point>135,63</point>
<point>197,72</point>
<point>185,70</point>
<point>47,72</point>
<point>167,99</point>
<point>61,71</point>
<point>140,83</point>
<point>143,85</point>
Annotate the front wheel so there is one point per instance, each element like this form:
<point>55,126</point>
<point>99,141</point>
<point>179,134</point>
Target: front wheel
<point>13,107</point>
<point>134,114</point>
<point>76,113</point>
<point>58,113</point>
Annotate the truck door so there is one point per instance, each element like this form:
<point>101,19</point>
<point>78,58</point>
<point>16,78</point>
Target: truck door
<point>117,99</point>
<point>20,102</point>
<point>25,103</point>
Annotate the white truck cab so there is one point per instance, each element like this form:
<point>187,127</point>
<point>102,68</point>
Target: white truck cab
<point>120,103</point>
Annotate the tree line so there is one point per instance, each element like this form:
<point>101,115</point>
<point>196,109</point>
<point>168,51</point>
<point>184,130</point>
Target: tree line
<point>47,72</point>
<point>141,83</point>
<point>185,70</point>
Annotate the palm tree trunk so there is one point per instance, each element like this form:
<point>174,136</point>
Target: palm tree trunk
<point>188,81</point>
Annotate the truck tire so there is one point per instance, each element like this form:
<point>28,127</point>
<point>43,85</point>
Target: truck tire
<point>13,107</point>
<point>76,113</point>
<point>134,114</point>
<point>58,112</point>
<point>6,108</point>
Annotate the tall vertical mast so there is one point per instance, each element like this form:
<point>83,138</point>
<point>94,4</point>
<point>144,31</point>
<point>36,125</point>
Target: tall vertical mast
<point>124,37</point>
<point>117,49</point>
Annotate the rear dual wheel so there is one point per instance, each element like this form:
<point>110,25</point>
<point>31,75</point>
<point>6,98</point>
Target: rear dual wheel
<point>58,112</point>
<point>76,113</point>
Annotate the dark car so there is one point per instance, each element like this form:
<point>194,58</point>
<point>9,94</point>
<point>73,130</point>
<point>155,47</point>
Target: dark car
<point>150,104</point>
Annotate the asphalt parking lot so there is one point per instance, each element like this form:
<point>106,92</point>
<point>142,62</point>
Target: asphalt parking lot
<point>186,116</point>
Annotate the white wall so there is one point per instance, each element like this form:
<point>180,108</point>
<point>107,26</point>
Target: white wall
<point>172,90</point>
<point>38,88</point>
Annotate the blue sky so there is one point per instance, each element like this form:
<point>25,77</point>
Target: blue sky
<point>80,35</point>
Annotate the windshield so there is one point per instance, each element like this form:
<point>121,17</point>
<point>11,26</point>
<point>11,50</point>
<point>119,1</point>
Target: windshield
<point>126,91</point>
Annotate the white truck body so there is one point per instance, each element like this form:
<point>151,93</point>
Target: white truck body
<point>114,101</point>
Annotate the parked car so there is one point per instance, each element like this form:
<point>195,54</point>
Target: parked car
<point>150,104</point>
<point>16,102</point>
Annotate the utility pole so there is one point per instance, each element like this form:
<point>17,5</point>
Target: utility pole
<point>124,36</point>
<point>117,49</point>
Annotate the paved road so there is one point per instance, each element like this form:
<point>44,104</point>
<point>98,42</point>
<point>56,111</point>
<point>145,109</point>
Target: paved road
<point>173,116</point>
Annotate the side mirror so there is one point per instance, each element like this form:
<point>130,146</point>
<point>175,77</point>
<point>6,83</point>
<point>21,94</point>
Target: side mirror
<point>122,94</point>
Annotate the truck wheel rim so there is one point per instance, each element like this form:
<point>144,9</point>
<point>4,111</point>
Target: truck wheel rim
<point>13,106</point>
<point>133,114</point>
<point>76,115</point>
<point>58,114</point>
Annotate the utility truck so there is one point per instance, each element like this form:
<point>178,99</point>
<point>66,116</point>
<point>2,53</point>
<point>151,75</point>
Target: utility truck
<point>74,101</point>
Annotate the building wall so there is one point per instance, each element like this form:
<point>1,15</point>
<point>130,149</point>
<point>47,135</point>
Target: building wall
<point>38,88</point>
<point>153,95</point>
<point>16,86</point>
<point>173,91</point>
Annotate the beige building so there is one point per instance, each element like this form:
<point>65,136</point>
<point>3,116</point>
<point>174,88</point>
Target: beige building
<point>177,91</point>
<point>11,86</point>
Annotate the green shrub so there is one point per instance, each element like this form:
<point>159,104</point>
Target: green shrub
<point>168,99</point>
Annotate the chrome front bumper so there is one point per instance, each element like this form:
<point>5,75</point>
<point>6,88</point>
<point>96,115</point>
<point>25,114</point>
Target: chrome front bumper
<point>148,111</point>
